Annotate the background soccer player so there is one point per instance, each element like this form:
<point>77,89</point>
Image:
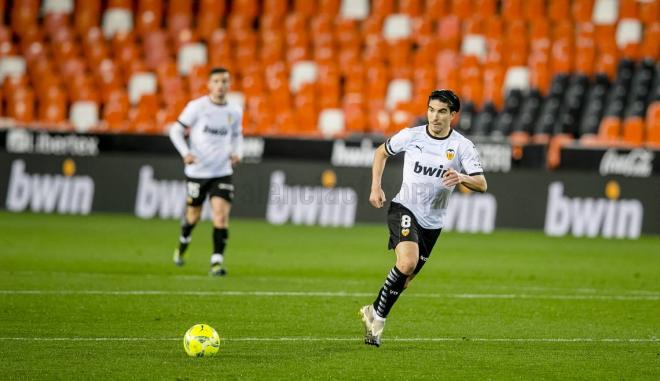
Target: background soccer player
<point>435,158</point>
<point>214,146</point>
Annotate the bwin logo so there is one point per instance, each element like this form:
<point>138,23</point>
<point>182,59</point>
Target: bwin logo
<point>64,194</point>
<point>429,171</point>
<point>590,217</point>
<point>162,198</point>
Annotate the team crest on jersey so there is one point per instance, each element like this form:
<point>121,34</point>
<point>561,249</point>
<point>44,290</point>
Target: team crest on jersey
<point>450,153</point>
<point>405,232</point>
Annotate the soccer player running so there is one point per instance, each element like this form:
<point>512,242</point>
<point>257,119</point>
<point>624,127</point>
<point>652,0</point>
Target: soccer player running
<point>214,146</point>
<point>437,158</point>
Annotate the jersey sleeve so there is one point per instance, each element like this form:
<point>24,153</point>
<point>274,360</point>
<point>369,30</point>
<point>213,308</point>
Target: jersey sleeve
<point>398,143</point>
<point>470,160</point>
<point>188,116</point>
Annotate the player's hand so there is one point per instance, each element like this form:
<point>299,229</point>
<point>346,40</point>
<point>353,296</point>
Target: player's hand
<point>235,159</point>
<point>451,178</point>
<point>190,158</point>
<point>377,198</point>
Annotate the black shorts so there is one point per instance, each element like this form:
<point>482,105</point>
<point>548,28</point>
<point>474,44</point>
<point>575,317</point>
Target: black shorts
<point>404,228</point>
<point>197,189</point>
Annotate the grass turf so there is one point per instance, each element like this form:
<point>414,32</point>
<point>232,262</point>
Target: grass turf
<point>500,306</point>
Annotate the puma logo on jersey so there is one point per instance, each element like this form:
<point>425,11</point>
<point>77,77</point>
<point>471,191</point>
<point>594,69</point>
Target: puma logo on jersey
<point>429,171</point>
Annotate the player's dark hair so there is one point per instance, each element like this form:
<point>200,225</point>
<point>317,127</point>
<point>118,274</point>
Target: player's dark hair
<point>218,70</point>
<point>448,97</point>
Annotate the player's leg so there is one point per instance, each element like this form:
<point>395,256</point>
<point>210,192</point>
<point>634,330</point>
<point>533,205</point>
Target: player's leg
<point>221,200</point>
<point>427,240</point>
<point>195,195</point>
<point>403,239</point>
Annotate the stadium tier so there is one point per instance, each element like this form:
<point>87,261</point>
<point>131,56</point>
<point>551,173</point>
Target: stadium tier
<point>543,71</point>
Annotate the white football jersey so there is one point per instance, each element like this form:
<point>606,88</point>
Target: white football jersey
<point>215,133</point>
<point>426,160</point>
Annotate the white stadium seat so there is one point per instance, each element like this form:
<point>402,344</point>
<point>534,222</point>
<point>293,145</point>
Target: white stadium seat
<point>191,55</point>
<point>474,45</point>
<point>139,84</point>
<point>84,115</point>
<point>398,90</point>
<point>517,77</point>
<point>629,31</point>
<point>397,27</point>
<point>117,20</point>
<point>605,12</point>
<point>301,73</point>
<point>11,66</point>
<point>354,9</point>
<point>331,122</point>
<point>57,6</point>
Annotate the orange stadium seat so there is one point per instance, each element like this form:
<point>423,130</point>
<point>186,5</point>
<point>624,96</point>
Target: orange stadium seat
<point>305,8</point>
<point>382,8</point>
<point>581,10</point>
<point>462,8</point>
<point>512,10</point>
<point>249,8</point>
<point>449,33</point>
<point>149,15</point>
<point>329,7</point>
<point>649,11</point>
<point>485,8</point>
<point>534,10</point>
<point>276,8</point>
<point>650,47</point>
<point>610,129</point>
<point>412,8</point>
<point>633,131</point>
<point>53,106</point>
<point>653,124</point>
<point>20,105</point>
<point>559,10</point>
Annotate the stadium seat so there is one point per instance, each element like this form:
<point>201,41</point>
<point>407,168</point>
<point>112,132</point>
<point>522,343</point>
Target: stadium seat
<point>117,20</point>
<point>629,37</point>
<point>517,77</point>
<point>354,9</point>
<point>474,45</point>
<point>398,91</point>
<point>633,131</point>
<point>653,125</point>
<point>84,115</point>
<point>302,73</point>
<point>649,11</point>
<point>610,129</point>
<point>140,84</point>
<point>331,122</point>
<point>11,66</point>
<point>397,27</point>
<point>190,55</point>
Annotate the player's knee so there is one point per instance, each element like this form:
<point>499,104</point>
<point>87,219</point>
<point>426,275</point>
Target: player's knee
<point>406,265</point>
<point>220,221</point>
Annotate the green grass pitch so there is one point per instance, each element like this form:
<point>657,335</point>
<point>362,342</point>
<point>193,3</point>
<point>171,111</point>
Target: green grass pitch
<point>98,297</point>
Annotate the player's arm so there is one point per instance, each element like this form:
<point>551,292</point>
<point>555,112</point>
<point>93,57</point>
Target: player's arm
<point>476,182</point>
<point>377,196</point>
<point>178,138</point>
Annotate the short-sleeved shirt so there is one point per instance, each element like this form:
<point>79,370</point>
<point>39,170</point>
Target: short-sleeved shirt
<point>427,158</point>
<point>214,129</point>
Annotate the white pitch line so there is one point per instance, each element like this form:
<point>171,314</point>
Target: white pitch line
<point>331,339</point>
<point>650,297</point>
